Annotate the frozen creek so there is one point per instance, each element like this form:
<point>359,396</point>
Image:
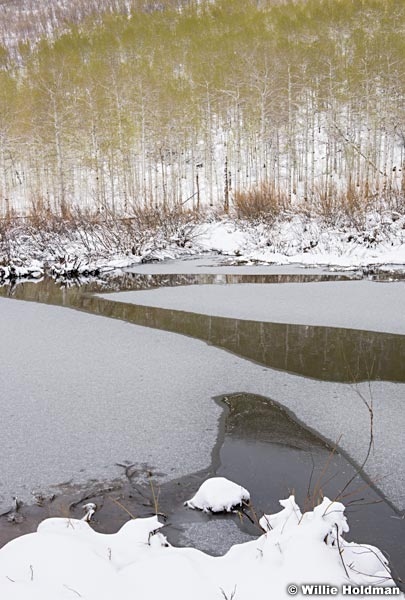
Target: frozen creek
<point>80,393</point>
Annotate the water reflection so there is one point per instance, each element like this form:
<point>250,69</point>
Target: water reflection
<point>264,449</point>
<point>265,446</point>
<point>261,441</point>
<point>326,353</point>
<point>117,281</point>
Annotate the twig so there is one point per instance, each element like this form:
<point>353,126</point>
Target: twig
<point>93,494</point>
<point>317,487</point>
<point>370,444</point>
<point>155,498</point>
<point>341,551</point>
<point>310,477</point>
<point>72,590</point>
<point>118,503</point>
<point>231,597</point>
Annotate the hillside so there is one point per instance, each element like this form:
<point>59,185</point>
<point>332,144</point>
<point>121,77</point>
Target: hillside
<point>295,105</point>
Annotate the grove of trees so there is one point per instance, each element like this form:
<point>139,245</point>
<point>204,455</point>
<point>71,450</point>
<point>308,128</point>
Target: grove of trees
<point>145,104</point>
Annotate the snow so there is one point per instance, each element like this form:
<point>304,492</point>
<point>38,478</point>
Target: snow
<point>223,237</point>
<point>218,494</point>
<point>364,305</point>
<point>212,264</point>
<point>290,514</point>
<point>32,269</point>
<point>291,239</point>
<point>70,381</point>
<point>66,559</point>
<point>296,239</point>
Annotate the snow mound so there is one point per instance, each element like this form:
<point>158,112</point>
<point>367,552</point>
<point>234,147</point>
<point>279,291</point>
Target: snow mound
<point>290,514</point>
<point>223,237</point>
<point>65,560</point>
<point>218,494</point>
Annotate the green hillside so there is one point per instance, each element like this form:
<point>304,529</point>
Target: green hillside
<point>205,100</point>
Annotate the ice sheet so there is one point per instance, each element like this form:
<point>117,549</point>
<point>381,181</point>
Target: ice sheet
<point>364,305</point>
<point>79,393</point>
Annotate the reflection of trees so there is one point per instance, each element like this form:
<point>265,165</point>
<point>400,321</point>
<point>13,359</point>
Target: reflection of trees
<point>120,282</point>
<point>330,354</point>
<point>326,353</point>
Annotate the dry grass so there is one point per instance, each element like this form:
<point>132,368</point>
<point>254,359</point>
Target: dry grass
<point>351,204</point>
<point>354,203</point>
<point>265,202</point>
<point>262,201</point>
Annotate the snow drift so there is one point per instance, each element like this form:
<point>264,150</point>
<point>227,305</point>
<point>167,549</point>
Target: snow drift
<point>66,559</point>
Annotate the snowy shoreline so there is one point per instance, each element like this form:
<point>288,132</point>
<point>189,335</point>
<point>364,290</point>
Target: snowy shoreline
<point>307,242</point>
<point>66,558</point>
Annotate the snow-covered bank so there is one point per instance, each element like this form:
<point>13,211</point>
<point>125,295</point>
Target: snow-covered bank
<point>310,241</point>
<point>350,304</point>
<point>82,249</point>
<point>66,559</point>
<point>86,247</point>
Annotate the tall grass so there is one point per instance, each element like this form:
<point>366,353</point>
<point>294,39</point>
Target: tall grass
<point>261,202</point>
<point>350,205</point>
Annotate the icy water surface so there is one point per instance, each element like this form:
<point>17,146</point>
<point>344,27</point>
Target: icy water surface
<point>327,353</point>
<point>258,441</point>
<point>263,447</point>
<point>356,305</point>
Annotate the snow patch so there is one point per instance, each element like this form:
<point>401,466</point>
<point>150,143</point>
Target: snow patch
<point>218,494</point>
<point>66,559</point>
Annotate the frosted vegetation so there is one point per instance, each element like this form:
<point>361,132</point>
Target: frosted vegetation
<point>90,245</point>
